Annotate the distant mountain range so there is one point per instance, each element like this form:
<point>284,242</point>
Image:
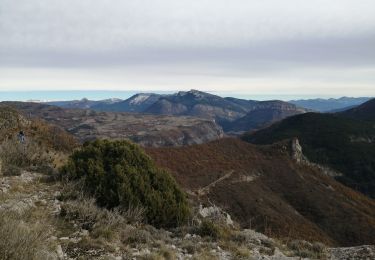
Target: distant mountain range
<point>234,115</point>
<point>331,104</point>
<point>83,103</point>
<point>343,141</point>
<point>136,103</point>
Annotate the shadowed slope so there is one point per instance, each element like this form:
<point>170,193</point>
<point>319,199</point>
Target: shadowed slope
<point>366,111</point>
<point>344,144</point>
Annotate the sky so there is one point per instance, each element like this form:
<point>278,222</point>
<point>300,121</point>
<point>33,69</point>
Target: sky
<point>244,48</point>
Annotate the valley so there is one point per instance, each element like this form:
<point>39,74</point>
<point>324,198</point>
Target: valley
<point>147,130</point>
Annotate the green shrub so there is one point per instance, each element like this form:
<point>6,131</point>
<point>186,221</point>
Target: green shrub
<point>119,174</point>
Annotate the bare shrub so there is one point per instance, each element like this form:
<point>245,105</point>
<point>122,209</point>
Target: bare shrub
<point>20,240</point>
<point>71,190</point>
<point>11,170</point>
<point>84,211</point>
<point>135,236</point>
<point>132,214</point>
<point>305,249</point>
<point>90,216</point>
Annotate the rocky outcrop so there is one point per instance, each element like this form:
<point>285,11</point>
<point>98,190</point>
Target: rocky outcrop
<point>354,253</point>
<point>300,158</point>
<point>297,154</point>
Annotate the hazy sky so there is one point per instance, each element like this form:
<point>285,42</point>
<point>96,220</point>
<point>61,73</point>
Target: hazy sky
<point>269,47</point>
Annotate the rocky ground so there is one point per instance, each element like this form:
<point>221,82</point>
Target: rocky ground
<point>59,227</point>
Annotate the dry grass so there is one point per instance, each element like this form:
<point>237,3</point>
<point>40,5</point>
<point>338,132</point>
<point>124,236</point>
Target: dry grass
<point>16,155</point>
<point>21,240</point>
<point>103,223</point>
<point>135,236</point>
<point>308,250</point>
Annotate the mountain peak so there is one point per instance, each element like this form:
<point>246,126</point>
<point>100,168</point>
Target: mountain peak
<point>194,92</point>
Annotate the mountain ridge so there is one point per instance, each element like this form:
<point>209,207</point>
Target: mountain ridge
<point>330,104</point>
<point>224,110</point>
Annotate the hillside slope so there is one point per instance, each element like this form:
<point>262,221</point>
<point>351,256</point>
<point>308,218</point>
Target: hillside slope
<point>343,144</point>
<point>366,111</point>
<point>46,136</point>
<point>265,189</point>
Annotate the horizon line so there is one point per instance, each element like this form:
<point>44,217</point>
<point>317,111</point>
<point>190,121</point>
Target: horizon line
<point>96,95</point>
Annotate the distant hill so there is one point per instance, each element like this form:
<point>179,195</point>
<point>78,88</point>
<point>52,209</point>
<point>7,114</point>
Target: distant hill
<point>137,103</point>
<point>331,104</point>
<point>265,189</point>
<point>83,103</point>
<point>344,144</point>
<point>200,104</point>
<point>366,111</point>
<point>263,114</point>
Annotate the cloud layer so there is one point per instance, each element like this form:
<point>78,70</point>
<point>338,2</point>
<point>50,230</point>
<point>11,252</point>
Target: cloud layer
<point>296,46</point>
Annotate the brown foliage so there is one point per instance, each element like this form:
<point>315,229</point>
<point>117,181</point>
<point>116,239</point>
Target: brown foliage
<point>271,193</point>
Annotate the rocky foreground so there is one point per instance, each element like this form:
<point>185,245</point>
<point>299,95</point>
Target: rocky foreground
<point>41,219</point>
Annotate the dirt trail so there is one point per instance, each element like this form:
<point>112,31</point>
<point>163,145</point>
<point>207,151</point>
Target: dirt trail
<point>206,190</point>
